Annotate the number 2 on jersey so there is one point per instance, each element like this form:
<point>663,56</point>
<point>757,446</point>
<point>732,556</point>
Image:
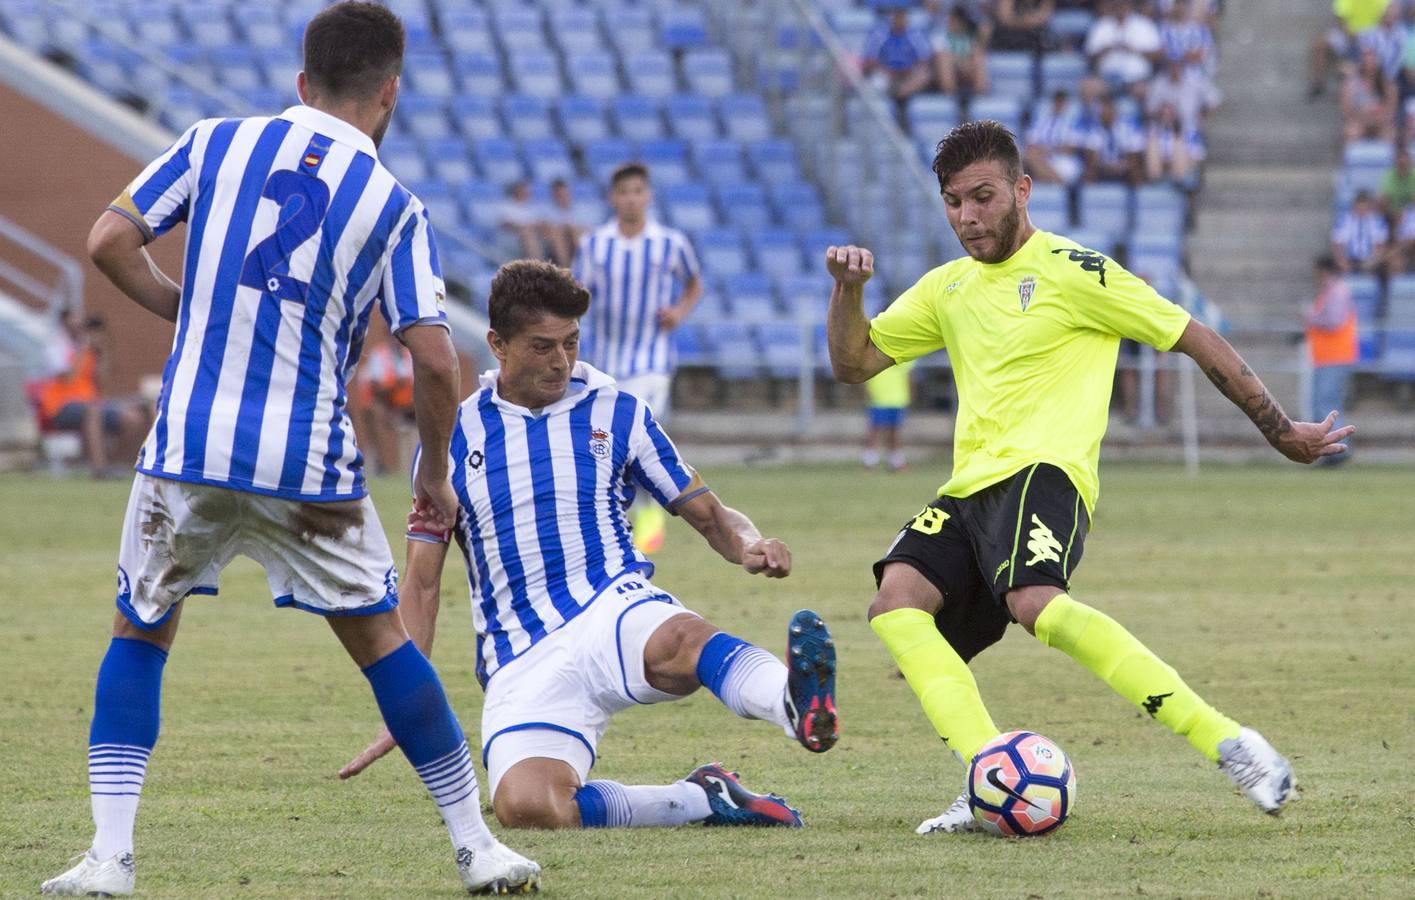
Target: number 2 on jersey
<point>303,201</point>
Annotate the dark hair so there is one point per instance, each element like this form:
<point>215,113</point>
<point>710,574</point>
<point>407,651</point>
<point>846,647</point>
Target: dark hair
<point>1327,263</point>
<point>974,142</point>
<point>526,289</point>
<point>352,48</point>
<point>628,170</point>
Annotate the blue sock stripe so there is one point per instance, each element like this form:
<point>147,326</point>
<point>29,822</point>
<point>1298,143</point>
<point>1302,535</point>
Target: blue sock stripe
<point>451,760</point>
<point>461,776</point>
<point>116,793</point>
<point>120,748</point>
<point>469,792</point>
<point>414,706</point>
<point>716,660</point>
<point>120,765</point>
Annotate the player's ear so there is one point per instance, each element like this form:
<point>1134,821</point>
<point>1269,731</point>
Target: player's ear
<point>389,95</point>
<point>1023,189</point>
<point>497,344</point>
<point>302,88</point>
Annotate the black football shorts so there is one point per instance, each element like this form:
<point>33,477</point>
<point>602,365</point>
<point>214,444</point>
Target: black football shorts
<point>1028,529</point>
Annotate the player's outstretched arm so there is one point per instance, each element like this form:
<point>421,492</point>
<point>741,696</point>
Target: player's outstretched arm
<point>419,597</point>
<point>116,247</point>
<point>1302,442</point>
<point>733,535</point>
<point>853,357</point>
<point>436,383</point>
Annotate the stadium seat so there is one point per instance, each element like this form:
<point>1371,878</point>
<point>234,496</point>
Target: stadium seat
<point>667,160</point>
<point>548,159</point>
<point>692,342</point>
<point>527,117</point>
<point>479,73</point>
<point>1004,109</point>
<point>719,161</point>
<point>594,74</point>
<point>1105,208</point>
<point>428,73</point>
<point>1062,71</point>
<point>750,296</point>
<point>782,350</point>
<point>689,206</point>
<point>691,117</point>
<point>575,30</point>
<point>155,29</point>
<point>776,252</point>
<point>744,205</point>
<point>466,30</point>
<point>443,207</point>
<point>1011,74</point>
<point>424,116</point>
<point>797,204</point>
<point>745,117</point>
<point>1369,154</point>
<point>403,159</point>
<point>476,117</point>
<point>720,252</point>
<point>708,71</point>
<point>236,68</point>
<point>650,73</point>
<point>536,72</point>
<point>519,26</point>
<point>602,157</point>
<point>930,116</point>
<point>209,25</point>
<point>1398,355</point>
<point>806,297</point>
<point>499,161</point>
<point>774,160</point>
<point>735,351</point>
<point>682,27</point>
<point>447,160</point>
<point>582,118</point>
<point>637,117</point>
<point>630,29</point>
<point>481,203</point>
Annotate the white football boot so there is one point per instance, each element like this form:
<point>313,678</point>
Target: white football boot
<point>956,819</point>
<point>92,877</point>
<point>497,870</point>
<point>1257,769</point>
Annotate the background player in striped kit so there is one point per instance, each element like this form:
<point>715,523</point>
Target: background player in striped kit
<point>644,280</point>
<point>570,629</point>
<point>295,229</point>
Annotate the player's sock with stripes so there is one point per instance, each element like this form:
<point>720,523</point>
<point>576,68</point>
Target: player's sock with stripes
<point>747,679</point>
<point>415,709</point>
<point>126,714</point>
<point>940,678</point>
<point>1102,645</point>
<point>609,804</point>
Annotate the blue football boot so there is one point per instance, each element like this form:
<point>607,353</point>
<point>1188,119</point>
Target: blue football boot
<point>810,686</point>
<point>733,804</point>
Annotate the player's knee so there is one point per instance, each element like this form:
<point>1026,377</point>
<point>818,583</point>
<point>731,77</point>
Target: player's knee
<point>522,809</point>
<point>1027,603</point>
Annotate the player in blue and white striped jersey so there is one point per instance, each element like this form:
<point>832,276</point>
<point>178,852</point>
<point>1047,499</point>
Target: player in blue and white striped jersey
<point>546,457</point>
<point>644,280</point>
<point>295,232</point>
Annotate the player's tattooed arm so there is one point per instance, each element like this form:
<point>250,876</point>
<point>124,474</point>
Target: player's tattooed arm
<point>1302,442</point>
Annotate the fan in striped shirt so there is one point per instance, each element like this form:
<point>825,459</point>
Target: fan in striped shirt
<point>644,280</point>
<point>546,457</point>
<point>295,231</point>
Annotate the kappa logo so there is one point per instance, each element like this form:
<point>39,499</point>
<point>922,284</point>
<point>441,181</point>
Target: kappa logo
<point>1025,287</point>
<point>599,442</point>
<point>1090,260</point>
<point>1042,544</point>
<point>1153,703</point>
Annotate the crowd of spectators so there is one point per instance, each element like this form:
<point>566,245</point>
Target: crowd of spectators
<point>1136,117</point>
<point>547,230</point>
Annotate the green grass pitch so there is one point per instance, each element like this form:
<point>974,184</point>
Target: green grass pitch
<point>1283,595</point>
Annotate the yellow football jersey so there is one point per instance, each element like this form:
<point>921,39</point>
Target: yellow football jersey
<point>1033,341</point>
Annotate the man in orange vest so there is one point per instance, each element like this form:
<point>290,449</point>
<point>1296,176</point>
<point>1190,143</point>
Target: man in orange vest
<point>1331,339</point>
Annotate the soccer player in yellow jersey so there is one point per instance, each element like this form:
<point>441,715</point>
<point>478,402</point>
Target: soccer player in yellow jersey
<point>1032,323</point>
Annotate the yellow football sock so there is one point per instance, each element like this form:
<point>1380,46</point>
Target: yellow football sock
<point>1102,645</point>
<point>649,523</point>
<point>939,676</point>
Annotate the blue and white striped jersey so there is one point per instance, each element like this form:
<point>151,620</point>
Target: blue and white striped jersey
<point>630,280</point>
<point>542,524</point>
<point>294,231</point>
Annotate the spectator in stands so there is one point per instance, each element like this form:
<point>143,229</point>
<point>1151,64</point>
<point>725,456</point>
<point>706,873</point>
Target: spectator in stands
<point>1387,40</point>
<point>1123,44</point>
<point>1402,254</point>
<point>1113,147</point>
<point>1337,45</point>
<point>384,389</point>
<point>520,220</point>
<point>560,227</point>
<point>1368,101</point>
<point>1360,240</point>
<point>70,397</point>
<point>960,61</point>
<point>1172,152</point>
<point>1021,24</point>
<point>1332,342</point>
<point>1397,186</point>
<point>1188,90</point>
<point>1054,142</point>
<point>898,57</point>
<point>1187,38</point>
<point>888,405</point>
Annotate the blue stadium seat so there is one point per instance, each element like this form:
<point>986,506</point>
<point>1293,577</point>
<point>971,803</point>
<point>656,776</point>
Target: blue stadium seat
<point>209,24</point>
<point>466,30</point>
<point>711,308</point>
<point>424,116</point>
<point>682,27</point>
<point>481,203</point>
<point>692,342</point>
<point>689,206</point>
<point>776,252</point>
<point>781,348</point>
<point>806,296</point>
<point>1049,216</point>
<point>519,26</point>
<point>797,203</point>
<point>630,29</point>
<point>155,28</point>
<point>751,298</point>
<point>1160,269</point>
<point>603,156</point>
<point>448,160</point>
<point>1156,241</point>
<point>745,117</point>
<point>1007,110</point>
<point>720,251</point>
<point>443,208</point>
<point>594,74</point>
<point>536,72</point>
<point>403,159</point>
<point>1011,74</point>
<point>708,71</point>
<point>1099,241</point>
<point>691,117</point>
<point>735,351</point>
<point>744,205</point>
<point>1071,25</point>
<point>26,23</point>
<point>527,117</point>
<point>499,161</point>
<point>774,160</point>
<point>667,160</point>
<point>650,73</point>
<point>480,73</point>
<point>719,161</point>
<point>575,30</point>
<point>237,68</point>
<point>476,117</point>
<point>816,241</point>
<point>582,118</point>
<point>1062,71</point>
<point>637,117</point>
<point>1398,355</point>
<point>931,115</point>
<point>1369,154</point>
<point>1105,208</point>
<point>548,159</point>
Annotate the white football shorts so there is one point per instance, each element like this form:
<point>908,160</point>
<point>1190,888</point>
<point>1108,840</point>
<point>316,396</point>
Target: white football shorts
<point>328,558</point>
<point>654,388</point>
<point>555,700</point>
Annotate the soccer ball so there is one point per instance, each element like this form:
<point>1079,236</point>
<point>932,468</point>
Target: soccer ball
<point>1021,784</point>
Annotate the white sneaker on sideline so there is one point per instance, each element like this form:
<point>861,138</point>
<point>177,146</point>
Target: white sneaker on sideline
<point>111,877</point>
<point>1257,769</point>
<point>956,819</point>
<point>497,870</point>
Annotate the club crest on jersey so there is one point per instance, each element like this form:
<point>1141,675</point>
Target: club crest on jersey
<point>1025,287</point>
<point>475,460</point>
<point>599,443</point>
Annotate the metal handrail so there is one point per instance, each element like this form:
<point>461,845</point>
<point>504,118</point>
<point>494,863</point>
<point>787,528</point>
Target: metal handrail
<point>67,290</point>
